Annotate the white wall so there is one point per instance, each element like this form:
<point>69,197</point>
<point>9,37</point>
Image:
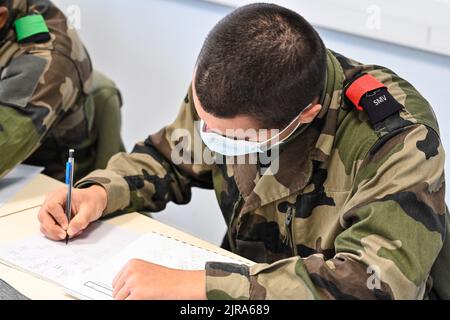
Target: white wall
<point>404,22</point>
<point>149,48</point>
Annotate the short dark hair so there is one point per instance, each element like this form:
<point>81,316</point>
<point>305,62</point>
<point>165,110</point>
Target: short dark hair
<point>261,60</point>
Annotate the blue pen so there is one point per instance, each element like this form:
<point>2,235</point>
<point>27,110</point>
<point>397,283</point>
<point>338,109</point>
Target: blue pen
<point>69,182</point>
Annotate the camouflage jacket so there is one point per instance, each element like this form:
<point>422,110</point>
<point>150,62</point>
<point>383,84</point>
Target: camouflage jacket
<point>354,212</point>
<point>42,91</point>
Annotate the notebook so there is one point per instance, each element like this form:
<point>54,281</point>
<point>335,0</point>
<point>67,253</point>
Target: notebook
<point>153,247</point>
<point>56,262</point>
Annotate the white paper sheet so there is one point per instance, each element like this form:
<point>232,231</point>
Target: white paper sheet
<point>57,262</point>
<point>14,181</point>
<point>151,247</point>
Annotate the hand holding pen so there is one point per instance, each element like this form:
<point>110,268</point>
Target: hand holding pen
<point>68,211</point>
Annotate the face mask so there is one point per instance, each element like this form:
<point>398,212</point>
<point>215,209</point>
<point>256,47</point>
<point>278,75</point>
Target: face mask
<point>231,147</point>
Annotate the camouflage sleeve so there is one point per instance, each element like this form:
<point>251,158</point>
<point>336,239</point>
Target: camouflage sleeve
<point>393,230</point>
<point>34,90</point>
<point>159,170</point>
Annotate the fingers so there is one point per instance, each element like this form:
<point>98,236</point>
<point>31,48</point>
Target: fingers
<point>49,227</point>
<point>78,224</point>
<point>123,293</point>
<point>86,213</point>
<point>119,281</point>
<point>134,295</point>
<point>119,275</point>
<point>55,205</point>
<point>52,217</point>
<point>55,209</point>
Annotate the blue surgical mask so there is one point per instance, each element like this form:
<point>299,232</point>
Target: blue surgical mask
<point>232,147</point>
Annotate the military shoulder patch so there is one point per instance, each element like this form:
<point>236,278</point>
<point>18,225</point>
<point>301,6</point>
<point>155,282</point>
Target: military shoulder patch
<point>368,94</point>
<point>32,29</point>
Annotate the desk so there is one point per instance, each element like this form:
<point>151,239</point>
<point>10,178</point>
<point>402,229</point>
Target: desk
<point>21,224</point>
<point>32,196</point>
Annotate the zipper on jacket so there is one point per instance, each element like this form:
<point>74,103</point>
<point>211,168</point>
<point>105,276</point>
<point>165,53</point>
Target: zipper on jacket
<point>236,208</point>
<point>290,229</point>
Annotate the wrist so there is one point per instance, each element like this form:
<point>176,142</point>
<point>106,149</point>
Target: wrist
<point>196,285</point>
<point>199,285</point>
<point>101,196</point>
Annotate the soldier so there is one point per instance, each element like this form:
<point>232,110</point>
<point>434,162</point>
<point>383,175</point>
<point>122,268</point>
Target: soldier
<point>356,208</point>
<point>49,95</point>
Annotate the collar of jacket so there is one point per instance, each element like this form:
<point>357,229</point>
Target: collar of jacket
<point>20,7</point>
<point>296,158</point>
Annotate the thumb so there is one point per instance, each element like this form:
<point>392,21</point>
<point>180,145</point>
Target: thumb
<point>79,222</point>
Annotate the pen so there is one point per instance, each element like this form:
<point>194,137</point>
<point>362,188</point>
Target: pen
<point>69,182</point>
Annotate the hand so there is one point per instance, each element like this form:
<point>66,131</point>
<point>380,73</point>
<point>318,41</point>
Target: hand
<point>141,280</point>
<point>87,206</point>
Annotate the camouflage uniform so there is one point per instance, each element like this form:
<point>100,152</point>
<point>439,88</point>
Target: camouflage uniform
<point>44,88</point>
<point>355,211</point>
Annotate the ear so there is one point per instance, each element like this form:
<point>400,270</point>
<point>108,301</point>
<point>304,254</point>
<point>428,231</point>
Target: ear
<point>4,16</point>
<point>309,114</point>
